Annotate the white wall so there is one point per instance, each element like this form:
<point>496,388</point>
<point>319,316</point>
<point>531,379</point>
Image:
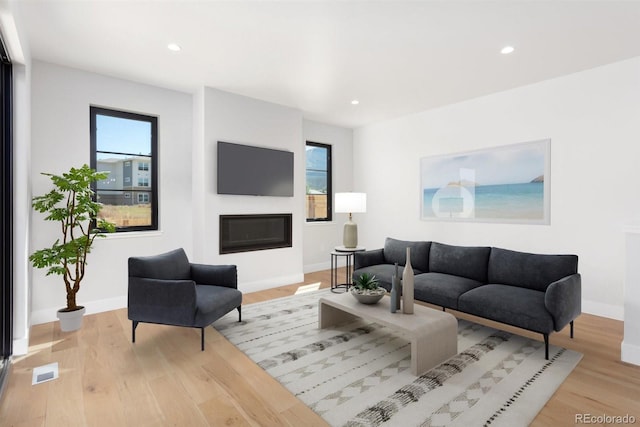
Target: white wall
<point>60,139</point>
<point>234,118</point>
<point>592,120</point>
<point>630,347</point>
<point>21,207</point>
<point>321,237</point>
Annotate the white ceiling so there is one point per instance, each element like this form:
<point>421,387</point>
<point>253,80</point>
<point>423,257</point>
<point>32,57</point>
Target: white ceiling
<point>396,57</point>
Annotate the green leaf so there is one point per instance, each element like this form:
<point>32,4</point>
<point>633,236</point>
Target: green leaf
<point>366,281</point>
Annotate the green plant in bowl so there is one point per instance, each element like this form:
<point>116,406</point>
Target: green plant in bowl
<point>366,289</point>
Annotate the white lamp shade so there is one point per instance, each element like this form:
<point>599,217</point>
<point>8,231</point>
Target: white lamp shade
<point>351,202</point>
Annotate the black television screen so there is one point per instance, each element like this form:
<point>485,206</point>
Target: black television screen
<point>254,171</point>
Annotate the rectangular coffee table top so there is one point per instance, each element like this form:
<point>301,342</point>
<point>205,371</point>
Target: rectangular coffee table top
<point>411,324</point>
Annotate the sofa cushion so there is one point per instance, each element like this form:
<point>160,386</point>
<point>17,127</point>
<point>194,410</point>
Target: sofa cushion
<point>442,289</point>
<point>532,271</point>
<point>465,261</point>
<point>396,251</point>
<point>383,272</point>
<point>512,305</point>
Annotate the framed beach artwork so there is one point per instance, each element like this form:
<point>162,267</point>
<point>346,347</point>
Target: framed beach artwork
<point>502,184</point>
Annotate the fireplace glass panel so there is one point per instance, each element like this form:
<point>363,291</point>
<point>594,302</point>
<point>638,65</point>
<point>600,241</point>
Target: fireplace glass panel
<point>243,233</point>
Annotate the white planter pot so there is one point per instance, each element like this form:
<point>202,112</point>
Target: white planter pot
<point>71,320</point>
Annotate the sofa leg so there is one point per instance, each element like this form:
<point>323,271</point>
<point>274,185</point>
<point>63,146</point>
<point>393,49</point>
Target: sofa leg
<point>134,325</point>
<point>546,346</point>
<point>202,339</point>
<point>444,309</point>
<point>239,313</point>
<point>571,323</point>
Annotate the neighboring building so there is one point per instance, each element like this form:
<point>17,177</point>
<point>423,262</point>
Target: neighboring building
<point>129,181</point>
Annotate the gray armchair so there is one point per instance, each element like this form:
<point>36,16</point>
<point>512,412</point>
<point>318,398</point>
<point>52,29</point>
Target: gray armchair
<point>169,290</point>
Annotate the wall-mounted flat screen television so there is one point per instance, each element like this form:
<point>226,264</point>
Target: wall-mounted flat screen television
<point>254,171</point>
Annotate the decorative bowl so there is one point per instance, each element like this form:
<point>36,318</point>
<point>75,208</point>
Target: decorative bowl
<point>368,296</point>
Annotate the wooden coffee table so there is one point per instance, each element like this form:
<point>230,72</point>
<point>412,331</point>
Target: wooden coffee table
<point>433,334</point>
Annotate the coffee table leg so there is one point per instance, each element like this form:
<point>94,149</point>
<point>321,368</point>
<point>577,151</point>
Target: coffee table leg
<point>330,316</point>
<point>434,347</point>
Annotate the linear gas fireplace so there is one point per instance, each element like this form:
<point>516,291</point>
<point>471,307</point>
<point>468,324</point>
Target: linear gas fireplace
<point>243,233</point>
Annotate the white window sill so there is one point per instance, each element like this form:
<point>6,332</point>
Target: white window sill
<point>319,223</point>
<point>133,234</point>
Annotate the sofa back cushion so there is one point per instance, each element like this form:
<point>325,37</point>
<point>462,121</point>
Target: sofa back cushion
<point>464,261</point>
<point>532,271</point>
<point>396,251</point>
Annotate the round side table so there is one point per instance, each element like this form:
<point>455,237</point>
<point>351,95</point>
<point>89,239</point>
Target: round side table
<point>349,255</point>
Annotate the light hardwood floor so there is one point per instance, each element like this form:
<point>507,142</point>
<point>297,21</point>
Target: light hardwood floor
<point>165,380</point>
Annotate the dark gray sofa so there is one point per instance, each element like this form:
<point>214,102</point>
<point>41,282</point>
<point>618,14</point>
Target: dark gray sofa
<point>540,293</point>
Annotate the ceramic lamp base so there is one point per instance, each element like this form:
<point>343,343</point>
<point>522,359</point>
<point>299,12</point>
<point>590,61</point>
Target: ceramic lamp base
<point>350,234</point>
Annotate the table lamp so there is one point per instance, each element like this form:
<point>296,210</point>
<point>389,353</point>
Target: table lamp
<point>350,203</point>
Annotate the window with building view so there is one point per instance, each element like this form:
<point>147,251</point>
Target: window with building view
<point>125,145</point>
<point>318,171</point>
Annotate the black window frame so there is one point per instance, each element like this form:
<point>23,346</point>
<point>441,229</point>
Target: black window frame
<point>6,213</point>
<point>329,171</point>
<point>153,158</point>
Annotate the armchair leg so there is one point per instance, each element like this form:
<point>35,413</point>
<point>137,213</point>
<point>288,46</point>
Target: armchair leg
<point>571,323</point>
<point>546,346</point>
<point>240,314</point>
<point>134,325</point>
<point>202,339</point>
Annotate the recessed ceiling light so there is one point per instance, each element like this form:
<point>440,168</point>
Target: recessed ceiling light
<point>173,47</point>
<point>355,102</point>
<point>507,50</point>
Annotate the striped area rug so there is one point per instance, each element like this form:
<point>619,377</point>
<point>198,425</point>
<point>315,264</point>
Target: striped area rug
<point>358,374</point>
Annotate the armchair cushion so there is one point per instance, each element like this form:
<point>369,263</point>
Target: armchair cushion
<point>219,275</point>
<point>172,265</point>
<point>213,302</point>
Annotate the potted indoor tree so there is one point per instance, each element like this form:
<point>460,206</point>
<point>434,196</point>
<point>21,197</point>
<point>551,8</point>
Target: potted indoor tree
<point>71,203</point>
<point>366,290</point>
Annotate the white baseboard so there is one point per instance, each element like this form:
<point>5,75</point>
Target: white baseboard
<point>310,268</point>
<point>603,310</point>
<point>273,282</point>
<point>98,306</point>
<point>630,353</point>
<point>21,346</point>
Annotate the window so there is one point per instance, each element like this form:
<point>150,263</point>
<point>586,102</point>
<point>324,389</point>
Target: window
<point>318,171</point>
<point>125,145</point>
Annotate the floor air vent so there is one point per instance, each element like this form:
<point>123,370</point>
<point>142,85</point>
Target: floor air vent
<point>45,373</point>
